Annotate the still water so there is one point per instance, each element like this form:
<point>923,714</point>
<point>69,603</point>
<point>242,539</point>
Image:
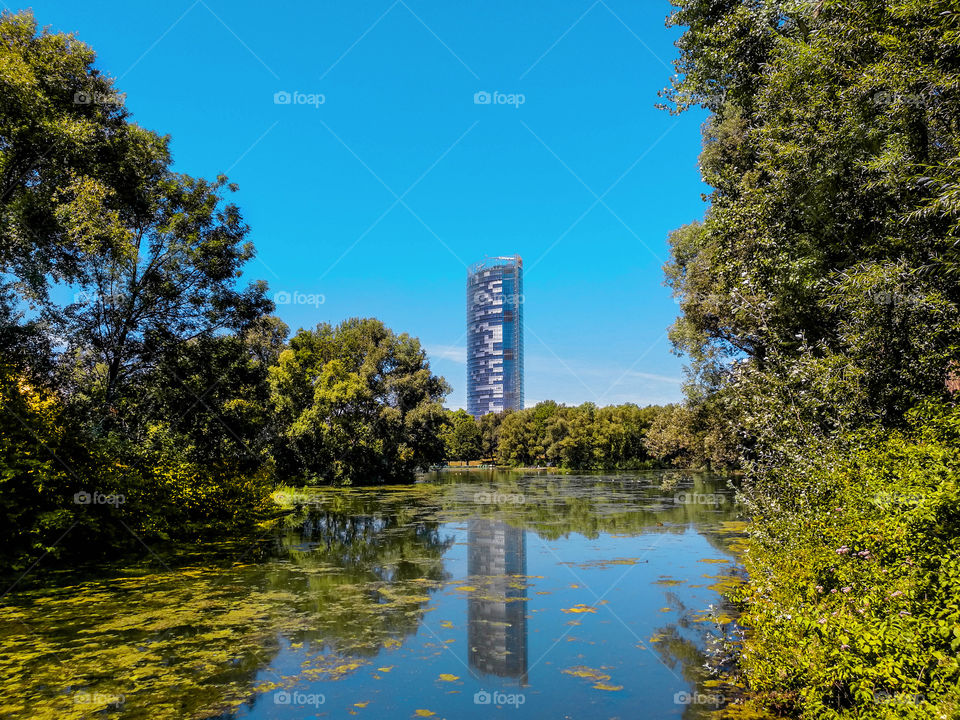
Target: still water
<point>468,595</point>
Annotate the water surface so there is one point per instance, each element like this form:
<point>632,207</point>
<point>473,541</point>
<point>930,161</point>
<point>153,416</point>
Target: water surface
<point>467,595</point>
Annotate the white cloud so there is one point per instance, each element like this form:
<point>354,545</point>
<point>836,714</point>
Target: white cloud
<point>453,353</point>
<point>658,378</point>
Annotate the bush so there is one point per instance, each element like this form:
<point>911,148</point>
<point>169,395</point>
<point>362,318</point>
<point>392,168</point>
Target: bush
<point>853,607</point>
<point>64,495</point>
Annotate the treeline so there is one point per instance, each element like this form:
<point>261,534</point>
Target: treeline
<point>821,315</point>
<point>145,394</point>
<point>584,437</point>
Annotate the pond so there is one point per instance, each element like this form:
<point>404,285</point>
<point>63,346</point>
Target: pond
<point>466,595</point>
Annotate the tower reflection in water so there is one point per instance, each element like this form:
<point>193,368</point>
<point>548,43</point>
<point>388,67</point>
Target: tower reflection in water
<point>497,609</point>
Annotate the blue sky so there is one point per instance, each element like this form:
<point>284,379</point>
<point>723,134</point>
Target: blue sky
<point>374,200</point>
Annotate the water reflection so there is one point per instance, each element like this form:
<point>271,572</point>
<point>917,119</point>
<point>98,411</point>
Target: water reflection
<point>364,595</point>
<point>497,615</point>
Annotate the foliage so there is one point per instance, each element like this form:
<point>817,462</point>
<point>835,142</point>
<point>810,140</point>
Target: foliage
<point>64,494</point>
<point>854,604</point>
<point>578,438</point>
<point>171,280</point>
<point>820,310</point>
<point>829,240</point>
<point>357,403</point>
<point>462,436</point>
<point>72,166</point>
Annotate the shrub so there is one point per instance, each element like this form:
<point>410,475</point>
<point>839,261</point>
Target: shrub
<point>853,607</point>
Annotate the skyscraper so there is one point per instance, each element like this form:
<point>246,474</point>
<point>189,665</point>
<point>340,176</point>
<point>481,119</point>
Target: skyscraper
<point>495,335</point>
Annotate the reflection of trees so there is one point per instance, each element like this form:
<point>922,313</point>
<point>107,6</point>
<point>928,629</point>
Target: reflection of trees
<point>354,571</point>
<point>361,578</point>
<point>556,505</point>
<point>697,648</point>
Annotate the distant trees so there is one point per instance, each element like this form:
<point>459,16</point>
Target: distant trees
<point>462,436</point>
<point>578,438</point>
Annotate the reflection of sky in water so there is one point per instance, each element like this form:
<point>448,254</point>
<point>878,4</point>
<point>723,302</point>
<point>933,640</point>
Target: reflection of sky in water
<point>494,640</point>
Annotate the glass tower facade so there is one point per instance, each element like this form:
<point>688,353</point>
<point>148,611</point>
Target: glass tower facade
<point>495,336</point>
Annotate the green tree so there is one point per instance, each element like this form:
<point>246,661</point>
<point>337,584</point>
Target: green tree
<point>490,434</point>
<point>357,404</point>
<point>72,166</point>
<point>461,436</point>
<point>172,280</point>
<point>832,151</point>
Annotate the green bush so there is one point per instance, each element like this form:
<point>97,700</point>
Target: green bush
<point>853,604</point>
<point>157,494</point>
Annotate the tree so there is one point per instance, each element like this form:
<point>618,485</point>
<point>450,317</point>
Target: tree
<point>72,167</point>
<point>820,312</point>
<point>831,233</point>
<point>173,279</point>
<point>152,384</point>
<point>357,404</point>
<point>490,434</point>
<point>461,436</point>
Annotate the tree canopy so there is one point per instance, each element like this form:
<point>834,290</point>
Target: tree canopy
<point>358,403</point>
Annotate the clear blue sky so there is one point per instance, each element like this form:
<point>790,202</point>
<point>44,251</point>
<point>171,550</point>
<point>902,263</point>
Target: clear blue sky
<point>378,198</point>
